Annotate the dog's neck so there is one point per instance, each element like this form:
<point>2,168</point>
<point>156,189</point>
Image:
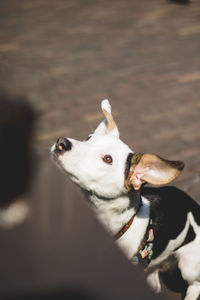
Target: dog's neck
<point>116,212</point>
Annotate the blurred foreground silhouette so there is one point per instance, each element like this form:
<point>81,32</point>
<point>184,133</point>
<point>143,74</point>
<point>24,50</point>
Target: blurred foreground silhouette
<point>16,126</point>
<point>16,121</point>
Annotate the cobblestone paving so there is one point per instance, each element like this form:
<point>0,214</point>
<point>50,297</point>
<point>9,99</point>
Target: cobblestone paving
<point>66,56</point>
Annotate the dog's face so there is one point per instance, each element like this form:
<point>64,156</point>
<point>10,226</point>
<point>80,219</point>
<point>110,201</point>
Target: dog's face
<point>106,166</point>
<point>97,164</point>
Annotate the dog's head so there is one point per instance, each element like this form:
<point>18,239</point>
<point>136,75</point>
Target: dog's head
<point>106,166</point>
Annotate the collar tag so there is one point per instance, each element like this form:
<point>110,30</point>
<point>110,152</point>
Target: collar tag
<point>147,251</point>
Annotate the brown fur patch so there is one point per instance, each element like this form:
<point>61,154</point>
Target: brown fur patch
<point>110,122</point>
<point>170,169</point>
<point>134,161</point>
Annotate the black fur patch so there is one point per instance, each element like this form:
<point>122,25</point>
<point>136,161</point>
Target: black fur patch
<point>171,275</point>
<point>169,209</point>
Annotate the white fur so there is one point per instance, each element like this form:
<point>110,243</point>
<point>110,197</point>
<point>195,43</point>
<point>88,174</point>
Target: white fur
<point>189,256</point>
<point>105,105</point>
<point>84,164</point>
<point>193,291</point>
<point>112,213</point>
<point>130,241</point>
<point>104,185</point>
<point>154,281</point>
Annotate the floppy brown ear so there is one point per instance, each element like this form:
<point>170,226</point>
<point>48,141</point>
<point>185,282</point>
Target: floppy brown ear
<point>152,169</point>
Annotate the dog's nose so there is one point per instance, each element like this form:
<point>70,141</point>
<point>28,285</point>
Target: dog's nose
<point>63,144</point>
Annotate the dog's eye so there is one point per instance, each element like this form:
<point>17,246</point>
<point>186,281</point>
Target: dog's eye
<point>108,159</point>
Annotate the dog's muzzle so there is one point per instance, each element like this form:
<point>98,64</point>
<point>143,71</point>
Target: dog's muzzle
<point>63,145</point>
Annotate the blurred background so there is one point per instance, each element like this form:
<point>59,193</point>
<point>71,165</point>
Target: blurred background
<point>58,60</point>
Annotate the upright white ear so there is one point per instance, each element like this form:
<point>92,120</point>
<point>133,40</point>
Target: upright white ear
<point>108,125</point>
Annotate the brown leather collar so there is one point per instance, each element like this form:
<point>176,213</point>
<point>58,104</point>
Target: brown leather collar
<point>124,228</point>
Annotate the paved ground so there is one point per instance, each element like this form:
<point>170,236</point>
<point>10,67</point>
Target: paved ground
<point>66,56</point>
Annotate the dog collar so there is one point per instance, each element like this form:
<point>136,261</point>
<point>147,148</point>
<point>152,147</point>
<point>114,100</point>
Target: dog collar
<point>127,225</point>
<point>124,228</point>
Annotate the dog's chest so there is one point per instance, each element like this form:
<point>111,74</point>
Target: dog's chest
<point>131,241</point>
<point>112,213</point>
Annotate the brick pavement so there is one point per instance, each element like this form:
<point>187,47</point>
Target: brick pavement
<point>66,56</point>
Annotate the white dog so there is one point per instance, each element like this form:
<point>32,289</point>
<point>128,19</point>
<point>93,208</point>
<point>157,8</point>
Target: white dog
<point>159,227</point>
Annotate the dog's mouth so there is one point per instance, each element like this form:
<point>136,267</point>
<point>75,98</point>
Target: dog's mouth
<point>56,154</point>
